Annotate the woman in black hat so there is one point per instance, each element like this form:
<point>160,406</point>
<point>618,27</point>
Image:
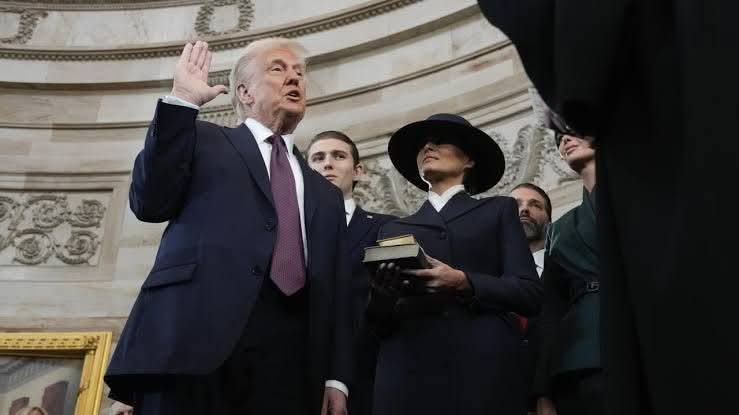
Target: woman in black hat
<point>450,342</point>
<point>569,379</point>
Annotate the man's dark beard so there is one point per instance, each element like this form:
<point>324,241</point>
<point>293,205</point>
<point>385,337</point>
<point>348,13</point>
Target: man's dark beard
<point>533,231</point>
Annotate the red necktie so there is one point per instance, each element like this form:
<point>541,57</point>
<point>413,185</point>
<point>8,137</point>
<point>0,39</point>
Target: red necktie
<point>288,261</point>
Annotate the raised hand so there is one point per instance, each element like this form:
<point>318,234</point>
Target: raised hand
<point>191,75</point>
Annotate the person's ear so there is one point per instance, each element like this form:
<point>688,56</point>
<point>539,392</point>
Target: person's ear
<point>358,171</point>
<point>244,94</point>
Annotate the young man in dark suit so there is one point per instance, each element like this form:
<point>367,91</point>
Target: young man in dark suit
<point>247,307</point>
<point>335,156</point>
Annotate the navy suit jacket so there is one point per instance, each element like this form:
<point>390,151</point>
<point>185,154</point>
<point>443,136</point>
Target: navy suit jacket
<point>211,184</point>
<point>465,358</point>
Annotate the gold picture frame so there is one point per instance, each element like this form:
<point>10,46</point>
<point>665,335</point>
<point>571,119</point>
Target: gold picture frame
<point>74,363</point>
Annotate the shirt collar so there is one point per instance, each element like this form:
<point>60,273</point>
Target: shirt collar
<point>262,133</point>
<point>350,206</point>
<point>439,201</point>
<point>539,260</point>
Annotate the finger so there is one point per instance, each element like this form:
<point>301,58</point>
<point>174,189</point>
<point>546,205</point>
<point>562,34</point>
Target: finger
<point>185,55</point>
<point>203,56</point>
<point>425,273</point>
<point>208,61</point>
<point>219,89</point>
<point>196,51</point>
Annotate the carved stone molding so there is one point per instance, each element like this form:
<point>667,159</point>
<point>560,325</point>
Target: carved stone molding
<point>225,42</point>
<point>205,17</point>
<point>98,4</point>
<point>28,21</point>
<point>51,229</point>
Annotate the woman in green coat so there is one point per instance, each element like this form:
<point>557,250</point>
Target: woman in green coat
<point>569,375</point>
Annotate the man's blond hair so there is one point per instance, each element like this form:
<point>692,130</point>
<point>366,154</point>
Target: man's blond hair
<point>246,66</point>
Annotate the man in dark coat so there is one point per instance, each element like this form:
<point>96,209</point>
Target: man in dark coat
<point>246,309</point>
<point>452,345</point>
<point>336,157</point>
<point>656,83</point>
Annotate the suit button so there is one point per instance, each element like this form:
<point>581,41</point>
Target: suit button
<point>442,235</point>
<point>256,271</point>
<point>269,225</point>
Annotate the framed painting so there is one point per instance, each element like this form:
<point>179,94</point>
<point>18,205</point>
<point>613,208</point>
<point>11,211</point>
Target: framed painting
<point>52,373</point>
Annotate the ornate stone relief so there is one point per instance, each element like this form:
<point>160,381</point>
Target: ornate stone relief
<point>530,157</point>
<point>205,16</point>
<point>28,21</point>
<point>51,229</point>
<point>321,24</point>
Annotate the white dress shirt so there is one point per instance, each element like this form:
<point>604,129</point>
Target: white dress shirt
<point>349,207</point>
<point>261,134</point>
<point>439,201</point>
<point>539,261</point>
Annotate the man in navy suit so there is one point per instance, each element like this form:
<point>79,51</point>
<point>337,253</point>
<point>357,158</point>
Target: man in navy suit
<point>335,156</point>
<point>246,309</point>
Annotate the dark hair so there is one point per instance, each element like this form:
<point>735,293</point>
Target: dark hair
<point>338,135</point>
<point>543,194</point>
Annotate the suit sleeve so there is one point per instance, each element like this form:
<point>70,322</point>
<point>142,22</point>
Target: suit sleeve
<point>343,351</point>
<point>161,172</point>
<point>518,288</point>
<point>554,308</point>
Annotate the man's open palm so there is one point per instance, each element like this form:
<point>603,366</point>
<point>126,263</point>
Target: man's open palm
<point>191,75</point>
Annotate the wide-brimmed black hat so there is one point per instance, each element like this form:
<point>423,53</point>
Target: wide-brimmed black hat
<point>405,144</point>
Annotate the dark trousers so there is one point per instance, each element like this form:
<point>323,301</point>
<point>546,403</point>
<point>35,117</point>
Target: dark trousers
<point>360,398</point>
<point>579,393</point>
<point>266,373</point>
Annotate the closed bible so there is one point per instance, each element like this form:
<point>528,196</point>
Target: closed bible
<point>402,250</point>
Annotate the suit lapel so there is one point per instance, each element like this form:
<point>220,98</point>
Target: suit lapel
<point>458,205</point>
<point>358,227</point>
<point>310,192</point>
<point>243,141</point>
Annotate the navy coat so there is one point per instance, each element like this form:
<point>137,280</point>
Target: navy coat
<point>465,358</point>
<point>211,184</point>
<point>362,232</point>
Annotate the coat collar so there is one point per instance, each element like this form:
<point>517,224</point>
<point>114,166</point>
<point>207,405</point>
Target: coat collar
<point>457,206</point>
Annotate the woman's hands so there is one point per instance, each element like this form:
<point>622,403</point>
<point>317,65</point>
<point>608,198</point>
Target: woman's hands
<point>441,276</point>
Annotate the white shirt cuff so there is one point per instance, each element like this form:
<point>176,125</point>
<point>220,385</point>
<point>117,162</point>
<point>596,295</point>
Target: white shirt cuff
<point>169,99</point>
<point>338,385</point>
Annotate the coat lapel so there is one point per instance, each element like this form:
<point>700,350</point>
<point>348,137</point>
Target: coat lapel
<point>458,205</point>
<point>243,141</point>
<point>426,216</point>
<point>358,227</point>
